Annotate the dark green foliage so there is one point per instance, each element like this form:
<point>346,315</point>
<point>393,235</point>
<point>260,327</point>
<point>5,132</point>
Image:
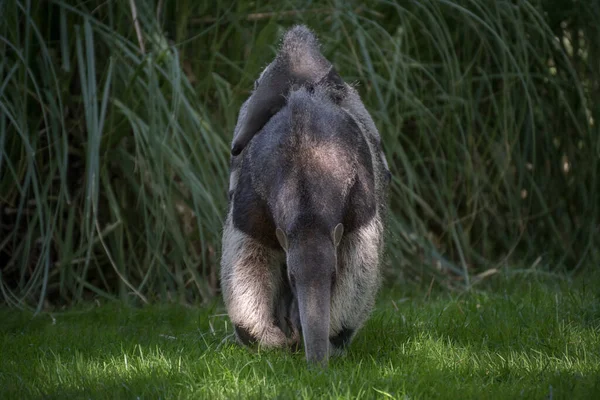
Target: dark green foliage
<point>113,169</point>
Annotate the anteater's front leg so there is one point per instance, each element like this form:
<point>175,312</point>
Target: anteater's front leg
<point>250,279</point>
<point>357,283</point>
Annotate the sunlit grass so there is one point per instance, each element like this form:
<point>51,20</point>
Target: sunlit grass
<point>521,339</point>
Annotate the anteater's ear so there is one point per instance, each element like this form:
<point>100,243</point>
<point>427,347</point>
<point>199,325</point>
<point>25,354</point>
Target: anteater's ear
<point>338,232</point>
<point>282,238</point>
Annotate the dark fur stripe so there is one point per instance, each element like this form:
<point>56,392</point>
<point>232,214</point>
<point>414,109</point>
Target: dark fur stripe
<point>342,339</point>
<point>244,335</point>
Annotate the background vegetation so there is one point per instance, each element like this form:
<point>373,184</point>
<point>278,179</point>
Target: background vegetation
<point>116,117</point>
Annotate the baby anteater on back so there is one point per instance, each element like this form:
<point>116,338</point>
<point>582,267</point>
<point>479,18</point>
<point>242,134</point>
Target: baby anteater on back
<point>303,234</point>
<point>299,62</point>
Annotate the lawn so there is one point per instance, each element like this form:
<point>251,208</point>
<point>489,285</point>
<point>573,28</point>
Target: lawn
<point>519,337</point>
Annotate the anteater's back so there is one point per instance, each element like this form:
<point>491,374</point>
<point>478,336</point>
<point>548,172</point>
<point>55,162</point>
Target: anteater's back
<point>312,165</point>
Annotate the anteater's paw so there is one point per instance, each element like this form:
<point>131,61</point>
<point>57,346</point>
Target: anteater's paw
<point>274,337</point>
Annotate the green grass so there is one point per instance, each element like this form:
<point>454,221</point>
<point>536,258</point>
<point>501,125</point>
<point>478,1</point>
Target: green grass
<point>521,338</point>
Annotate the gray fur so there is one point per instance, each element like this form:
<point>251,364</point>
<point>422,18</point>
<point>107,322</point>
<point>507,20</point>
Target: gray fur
<point>315,170</point>
<point>298,62</point>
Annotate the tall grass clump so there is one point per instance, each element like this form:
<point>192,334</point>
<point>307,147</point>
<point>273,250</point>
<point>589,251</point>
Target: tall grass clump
<point>116,117</point>
<point>112,169</point>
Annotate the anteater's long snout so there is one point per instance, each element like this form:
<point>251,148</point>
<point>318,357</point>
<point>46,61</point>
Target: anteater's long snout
<point>314,302</point>
<point>312,264</point>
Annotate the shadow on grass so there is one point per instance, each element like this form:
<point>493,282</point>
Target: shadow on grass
<point>157,386</point>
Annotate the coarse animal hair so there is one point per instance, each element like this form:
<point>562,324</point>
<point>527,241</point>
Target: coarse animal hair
<point>303,237</point>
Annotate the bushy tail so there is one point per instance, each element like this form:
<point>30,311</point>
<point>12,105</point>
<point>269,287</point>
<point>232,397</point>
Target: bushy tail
<point>301,50</point>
